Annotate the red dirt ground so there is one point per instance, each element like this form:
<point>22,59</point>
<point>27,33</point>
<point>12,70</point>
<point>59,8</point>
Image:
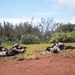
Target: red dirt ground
<point>46,65</point>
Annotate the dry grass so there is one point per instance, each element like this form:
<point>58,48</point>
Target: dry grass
<point>34,51</point>
<point>68,53</point>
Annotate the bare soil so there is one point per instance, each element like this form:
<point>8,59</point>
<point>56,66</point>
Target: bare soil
<point>46,65</point>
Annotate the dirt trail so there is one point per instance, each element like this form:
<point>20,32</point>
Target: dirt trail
<point>46,65</point>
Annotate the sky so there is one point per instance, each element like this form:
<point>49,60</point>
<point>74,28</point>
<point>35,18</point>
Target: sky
<point>16,11</point>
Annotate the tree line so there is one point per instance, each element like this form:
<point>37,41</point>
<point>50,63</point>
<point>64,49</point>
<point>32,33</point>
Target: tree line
<point>28,33</point>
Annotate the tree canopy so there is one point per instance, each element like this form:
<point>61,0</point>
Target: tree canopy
<point>45,31</point>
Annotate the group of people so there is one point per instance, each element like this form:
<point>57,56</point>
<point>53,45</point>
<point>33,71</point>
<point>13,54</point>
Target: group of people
<point>16,49</point>
<point>57,47</point>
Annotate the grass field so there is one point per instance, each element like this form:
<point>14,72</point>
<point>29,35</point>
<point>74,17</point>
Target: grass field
<point>34,51</point>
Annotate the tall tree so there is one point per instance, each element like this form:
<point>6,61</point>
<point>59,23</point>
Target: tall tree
<point>66,28</point>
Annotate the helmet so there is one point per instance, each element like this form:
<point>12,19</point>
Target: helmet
<point>16,45</point>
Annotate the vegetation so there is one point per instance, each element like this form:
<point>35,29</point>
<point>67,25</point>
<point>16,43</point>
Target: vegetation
<point>63,37</point>
<point>20,58</point>
<point>66,28</point>
<point>68,53</point>
<point>29,35</point>
<point>34,51</point>
<point>44,32</point>
<point>30,39</point>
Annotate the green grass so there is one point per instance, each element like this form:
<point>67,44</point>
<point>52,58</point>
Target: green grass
<point>71,44</point>
<point>33,51</point>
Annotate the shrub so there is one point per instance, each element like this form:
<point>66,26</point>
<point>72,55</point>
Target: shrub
<point>63,37</point>
<point>30,39</point>
<point>58,37</point>
<point>3,39</point>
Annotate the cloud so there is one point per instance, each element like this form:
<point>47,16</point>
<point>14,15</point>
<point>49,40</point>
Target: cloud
<point>72,20</point>
<point>59,20</point>
<point>44,13</point>
<point>18,20</point>
<point>36,20</point>
<point>70,3</point>
<point>66,20</point>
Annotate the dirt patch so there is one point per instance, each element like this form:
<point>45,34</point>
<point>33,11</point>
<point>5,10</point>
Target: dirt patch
<point>46,65</point>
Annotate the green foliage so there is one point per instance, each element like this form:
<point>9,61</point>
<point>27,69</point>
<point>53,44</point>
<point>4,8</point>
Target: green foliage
<point>3,39</point>
<point>57,37</point>
<point>32,33</point>
<point>30,39</point>
<point>0,41</point>
<point>66,28</point>
<point>9,43</point>
<point>63,37</point>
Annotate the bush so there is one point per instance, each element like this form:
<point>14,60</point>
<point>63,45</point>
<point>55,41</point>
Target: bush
<point>63,37</point>
<point>30,39</point>
<point>58,37</point>
<point>3,39</point>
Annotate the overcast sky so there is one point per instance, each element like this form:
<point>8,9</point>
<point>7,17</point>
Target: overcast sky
<point>16,11</point>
